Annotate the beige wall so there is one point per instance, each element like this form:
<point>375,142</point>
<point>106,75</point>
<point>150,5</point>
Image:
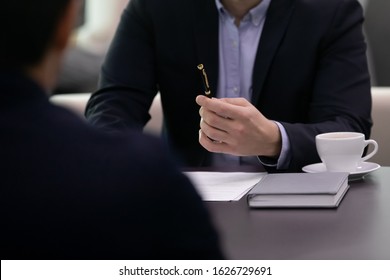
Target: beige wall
<point>101,20</point>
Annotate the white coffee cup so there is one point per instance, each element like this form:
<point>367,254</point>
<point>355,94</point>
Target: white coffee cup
<point>342,151</point>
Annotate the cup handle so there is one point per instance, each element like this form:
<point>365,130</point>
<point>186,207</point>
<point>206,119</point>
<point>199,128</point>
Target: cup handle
<point>373,142</point>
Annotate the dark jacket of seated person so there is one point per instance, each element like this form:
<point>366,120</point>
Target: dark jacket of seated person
<point>69,191</point>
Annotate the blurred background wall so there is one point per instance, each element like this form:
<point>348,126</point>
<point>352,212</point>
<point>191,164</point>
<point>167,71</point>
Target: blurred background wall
<point>97,24</point>
<point>377,29</point>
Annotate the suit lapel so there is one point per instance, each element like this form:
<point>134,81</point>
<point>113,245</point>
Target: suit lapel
<point>206,32</point>
<point>278,17</point>
<point>205,23</point>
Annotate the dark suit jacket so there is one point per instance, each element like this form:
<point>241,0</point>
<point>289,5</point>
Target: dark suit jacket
<point>310,72</point>
<point>71,192</point>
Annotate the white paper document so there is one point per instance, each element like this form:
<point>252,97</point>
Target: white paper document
<point>223,186</point>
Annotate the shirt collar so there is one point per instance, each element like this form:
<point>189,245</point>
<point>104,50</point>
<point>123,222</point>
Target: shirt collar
<point>255,15</point>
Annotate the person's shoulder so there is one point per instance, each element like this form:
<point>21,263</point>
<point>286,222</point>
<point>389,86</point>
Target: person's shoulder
<point>133,149</point>
<point>322,4</point>
<point>74,130</point>
<point>144,152</point>
<point>323,11</point>
<point>145,163</point>
<point>138,144</point>
<point>131,155</point>
<point>166,5</point>
<point>156,2</point>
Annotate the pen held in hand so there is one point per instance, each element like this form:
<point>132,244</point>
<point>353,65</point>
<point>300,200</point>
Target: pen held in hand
<point>205,80</point>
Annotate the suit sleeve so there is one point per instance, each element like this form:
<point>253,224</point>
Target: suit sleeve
<point>127,82</point>
<point>341,99</point>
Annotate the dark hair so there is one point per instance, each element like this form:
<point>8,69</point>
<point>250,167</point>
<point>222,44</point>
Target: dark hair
<point>27,28</point>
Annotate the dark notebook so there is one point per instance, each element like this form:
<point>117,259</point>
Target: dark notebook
<point>299,190</point>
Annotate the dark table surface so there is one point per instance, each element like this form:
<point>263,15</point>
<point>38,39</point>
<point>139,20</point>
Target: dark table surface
<point>358,229</point>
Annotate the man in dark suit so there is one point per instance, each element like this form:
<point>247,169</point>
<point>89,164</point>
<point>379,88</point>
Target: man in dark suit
<point>69,191</point>
<point>282,70</point>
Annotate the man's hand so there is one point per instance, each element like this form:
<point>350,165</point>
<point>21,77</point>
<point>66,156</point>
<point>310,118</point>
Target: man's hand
<point>234,126</point>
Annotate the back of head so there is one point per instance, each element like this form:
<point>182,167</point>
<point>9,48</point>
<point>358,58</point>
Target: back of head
<point>28,27</point>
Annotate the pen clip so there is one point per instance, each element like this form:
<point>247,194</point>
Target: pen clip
<point>205,80</point>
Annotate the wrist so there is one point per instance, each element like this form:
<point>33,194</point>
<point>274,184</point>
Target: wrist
<point>273,145</point>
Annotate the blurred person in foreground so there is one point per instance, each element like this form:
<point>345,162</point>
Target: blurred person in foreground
<point>281,72</point>
<point>69,191</point>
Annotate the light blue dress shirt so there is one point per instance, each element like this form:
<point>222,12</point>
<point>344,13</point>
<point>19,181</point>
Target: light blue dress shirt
<point>237,52</point>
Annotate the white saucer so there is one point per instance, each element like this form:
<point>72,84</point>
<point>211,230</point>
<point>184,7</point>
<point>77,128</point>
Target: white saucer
<point>362,170</point>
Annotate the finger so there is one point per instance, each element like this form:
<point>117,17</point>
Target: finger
<point>210,144</point>
<point>227,108</point>
<point>201,112</point>
<point>213,133</point>
<point>201,99</point>
<point>236,101</point>
<point>216,121</point>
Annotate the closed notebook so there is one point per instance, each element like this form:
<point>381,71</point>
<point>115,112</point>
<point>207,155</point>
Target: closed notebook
<point>299,190</point>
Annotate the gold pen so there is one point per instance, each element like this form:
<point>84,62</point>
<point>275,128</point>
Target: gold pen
<point>205,80</point>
